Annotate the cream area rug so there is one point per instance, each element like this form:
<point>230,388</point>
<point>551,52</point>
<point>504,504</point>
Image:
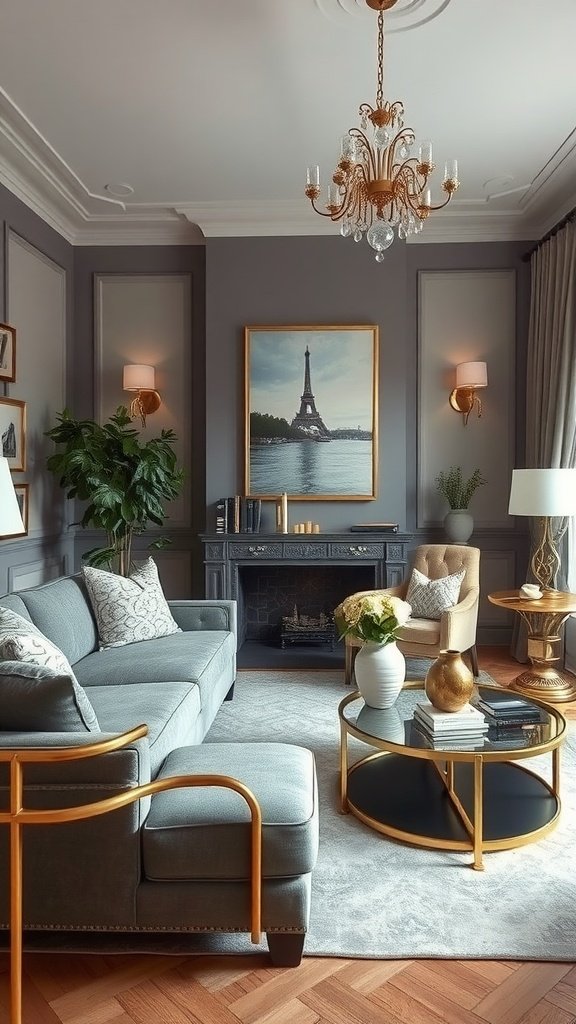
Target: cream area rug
<point>374,897</point>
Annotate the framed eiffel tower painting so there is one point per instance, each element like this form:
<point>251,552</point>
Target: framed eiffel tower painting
<point>311,412</point>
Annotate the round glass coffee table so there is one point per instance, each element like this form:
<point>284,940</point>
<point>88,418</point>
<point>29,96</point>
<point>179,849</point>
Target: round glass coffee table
<point>451,797</point>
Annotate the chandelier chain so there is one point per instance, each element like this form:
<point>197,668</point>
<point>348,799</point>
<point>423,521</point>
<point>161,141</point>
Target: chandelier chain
<point>380,89</point>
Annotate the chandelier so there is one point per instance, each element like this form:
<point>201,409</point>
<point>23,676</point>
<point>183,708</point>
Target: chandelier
<point>378,185</point>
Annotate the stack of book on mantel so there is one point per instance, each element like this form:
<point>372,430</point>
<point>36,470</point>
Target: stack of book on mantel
<point>451,730</point>
<point>502,709</point>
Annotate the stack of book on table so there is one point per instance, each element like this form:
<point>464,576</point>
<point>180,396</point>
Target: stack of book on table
<point>505,710</point>
<point>456,730</point>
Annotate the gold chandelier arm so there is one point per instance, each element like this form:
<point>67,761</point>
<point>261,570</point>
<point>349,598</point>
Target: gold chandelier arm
<point>407,175</point>
<point>406,137</point>
<point>440,206</point>
<point>323,213</point>
<point>367,153</point>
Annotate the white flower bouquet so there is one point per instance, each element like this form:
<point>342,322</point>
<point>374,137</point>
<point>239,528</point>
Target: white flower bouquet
<point>374,617</point>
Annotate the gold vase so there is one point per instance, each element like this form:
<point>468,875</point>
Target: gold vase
<point>449,682</point>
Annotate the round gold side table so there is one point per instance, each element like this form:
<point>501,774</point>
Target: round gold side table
<point>544,619</point>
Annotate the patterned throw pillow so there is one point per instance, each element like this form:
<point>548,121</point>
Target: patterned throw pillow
<point>21,641</point>
<point>429,598</point>
<point>129,608</point>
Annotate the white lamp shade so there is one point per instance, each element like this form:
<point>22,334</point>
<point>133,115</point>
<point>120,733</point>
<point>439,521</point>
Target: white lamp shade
<point>138,377</point>
<point>543,492</point>
<point>10,518</point>
<point>471,375</point>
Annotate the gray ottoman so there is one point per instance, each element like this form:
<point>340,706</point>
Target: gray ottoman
<point>196,844</point>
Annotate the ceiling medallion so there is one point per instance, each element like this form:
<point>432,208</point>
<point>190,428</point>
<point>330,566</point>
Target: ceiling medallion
<point>407,14</point>
<point>119,188</point>
<point>378,186</point>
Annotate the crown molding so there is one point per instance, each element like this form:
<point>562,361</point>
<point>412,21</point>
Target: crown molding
<point>33,171</point>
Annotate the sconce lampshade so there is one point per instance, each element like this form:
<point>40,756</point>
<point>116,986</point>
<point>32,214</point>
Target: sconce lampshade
<point>543,492</point>
<point>471,375</point>
<point>10,518</point>
<point>137,377</point>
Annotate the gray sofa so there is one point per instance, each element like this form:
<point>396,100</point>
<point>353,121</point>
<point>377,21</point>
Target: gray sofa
<point>177,862</point>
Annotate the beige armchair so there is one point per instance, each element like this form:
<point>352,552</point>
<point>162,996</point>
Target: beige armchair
<point>456,629</point>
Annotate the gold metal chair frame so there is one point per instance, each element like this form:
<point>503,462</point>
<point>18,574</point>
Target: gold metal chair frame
<point>18,816</point>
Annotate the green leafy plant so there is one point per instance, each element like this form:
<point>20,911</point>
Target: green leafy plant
<point>124,481</point>
<point>457,491</point>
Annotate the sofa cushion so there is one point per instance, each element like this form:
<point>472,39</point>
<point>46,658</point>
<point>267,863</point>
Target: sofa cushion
<point>420,631</point>
<point>429,598</point>
<point>203,833</point>
<point>62,611</point>
<point>20,640</point>
<point>34,698</point>
<point>171,713</point>
<point>129,608</point>
<point>199,657</point>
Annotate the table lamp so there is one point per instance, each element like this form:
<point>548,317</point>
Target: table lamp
<point>11,524</point>
<point>544,494</point>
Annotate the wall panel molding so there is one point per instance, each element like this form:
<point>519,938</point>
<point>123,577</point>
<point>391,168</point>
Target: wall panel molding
<point>466,315</point>
<point>147,318</point>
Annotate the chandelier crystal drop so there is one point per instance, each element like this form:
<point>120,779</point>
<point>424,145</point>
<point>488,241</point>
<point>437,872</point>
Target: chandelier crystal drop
<point>379,185</point>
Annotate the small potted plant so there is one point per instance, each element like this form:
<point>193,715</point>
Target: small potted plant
<point>458,492</point>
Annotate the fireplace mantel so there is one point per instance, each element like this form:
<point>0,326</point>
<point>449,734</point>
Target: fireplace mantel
<point>226,554</point>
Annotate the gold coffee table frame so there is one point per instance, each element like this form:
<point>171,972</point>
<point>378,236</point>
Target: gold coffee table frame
<point>18,816</point>
<point>444,762</point>
<point>544,619</point>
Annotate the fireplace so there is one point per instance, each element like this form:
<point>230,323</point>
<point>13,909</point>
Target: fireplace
<point>269,575</point>
<point>269,593</point>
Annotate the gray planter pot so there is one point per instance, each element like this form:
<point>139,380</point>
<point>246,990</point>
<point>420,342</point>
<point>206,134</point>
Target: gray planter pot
<point>458,525</point>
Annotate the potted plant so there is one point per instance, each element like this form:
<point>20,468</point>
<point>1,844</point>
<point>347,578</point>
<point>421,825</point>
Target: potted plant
<point>458,492</point>
<point>124,481</point>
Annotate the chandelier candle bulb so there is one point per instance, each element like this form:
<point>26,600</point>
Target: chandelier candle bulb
<point>425,158</point>
<point>451,173</point>
<point>313,175</point>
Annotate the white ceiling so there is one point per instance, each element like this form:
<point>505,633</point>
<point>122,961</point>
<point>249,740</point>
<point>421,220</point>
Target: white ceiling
<point>212,109</point>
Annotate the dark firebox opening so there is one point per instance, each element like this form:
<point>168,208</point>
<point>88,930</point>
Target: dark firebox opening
<point>267,593</point>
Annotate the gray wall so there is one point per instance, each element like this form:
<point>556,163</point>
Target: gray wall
<point>330,280</point>
<point>89,263</point>
<point>48,550</point>
<point>237,282</point>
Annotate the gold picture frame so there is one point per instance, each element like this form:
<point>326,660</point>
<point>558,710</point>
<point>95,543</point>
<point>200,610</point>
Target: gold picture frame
<point>13,432</point>
<point>304,386</point>
<point>7,353</point>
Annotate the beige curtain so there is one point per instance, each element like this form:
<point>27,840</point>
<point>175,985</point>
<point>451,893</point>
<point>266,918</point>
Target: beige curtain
<point>551,364</point>
<point>551,367</point>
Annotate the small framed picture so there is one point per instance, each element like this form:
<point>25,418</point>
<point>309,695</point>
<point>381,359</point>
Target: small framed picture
<point>23,499</point>
<point>7,352</point>
<point>13,432</point>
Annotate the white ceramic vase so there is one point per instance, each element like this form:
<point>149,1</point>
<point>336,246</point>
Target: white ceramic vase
<point>380,671</point>
<point>458,525</point>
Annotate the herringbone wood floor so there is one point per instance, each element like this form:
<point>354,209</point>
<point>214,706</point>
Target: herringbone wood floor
<point>138,989</point>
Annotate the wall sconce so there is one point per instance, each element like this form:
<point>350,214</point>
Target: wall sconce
<point>141,379</point>
<point>463,398</point>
